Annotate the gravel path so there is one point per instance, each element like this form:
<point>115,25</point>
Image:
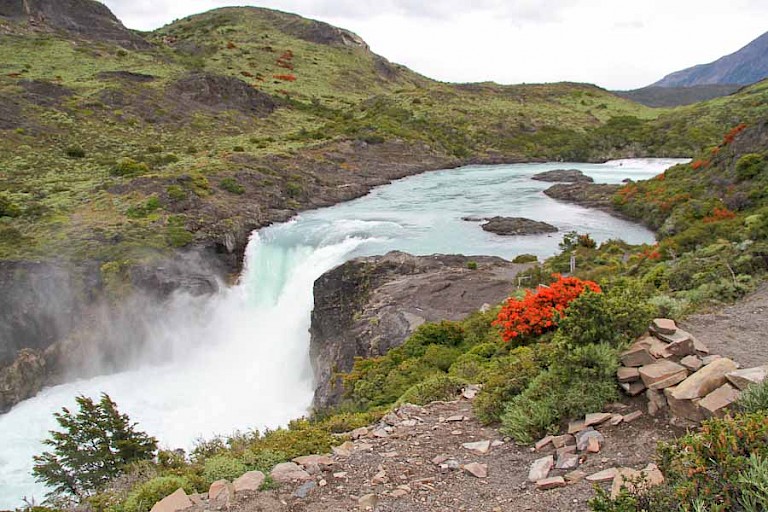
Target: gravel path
<point>739,331</point>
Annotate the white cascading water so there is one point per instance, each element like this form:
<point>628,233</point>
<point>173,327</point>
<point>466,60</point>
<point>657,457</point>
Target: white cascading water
<point>239,360</point>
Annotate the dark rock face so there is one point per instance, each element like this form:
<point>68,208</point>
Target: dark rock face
<point>563,176</point>
<point>56,320</point>
<point>515,226</point>
<point>43,93</point>
<point>10,114</point>
<point>224,93</point>
<point>128,76</point>
<point>367,306</point>
<point>590,195</point>
<point>86,18</point>
<point>315,31</point>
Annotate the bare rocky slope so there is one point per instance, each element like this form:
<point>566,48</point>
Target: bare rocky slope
<point>369,305</point>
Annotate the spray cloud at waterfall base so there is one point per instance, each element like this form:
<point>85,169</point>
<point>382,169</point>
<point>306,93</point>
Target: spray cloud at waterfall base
<point>239,359</point>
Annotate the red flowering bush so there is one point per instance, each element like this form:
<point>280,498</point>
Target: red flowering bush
<point>719,214</point>
<point>539,311</point>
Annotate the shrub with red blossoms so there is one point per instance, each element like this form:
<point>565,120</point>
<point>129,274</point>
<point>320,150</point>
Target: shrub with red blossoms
<point>540,310</point>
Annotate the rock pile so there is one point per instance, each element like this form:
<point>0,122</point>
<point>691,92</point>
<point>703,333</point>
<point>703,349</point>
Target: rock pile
<point>572,449</point>
<point>677,372</point>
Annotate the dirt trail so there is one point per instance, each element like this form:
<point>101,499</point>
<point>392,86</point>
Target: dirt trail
<point>739,331</point>
<point>408,479</point>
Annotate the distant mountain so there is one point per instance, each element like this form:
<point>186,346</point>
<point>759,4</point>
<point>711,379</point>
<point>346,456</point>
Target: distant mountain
<point>654,96</point>
<point>744,67</point>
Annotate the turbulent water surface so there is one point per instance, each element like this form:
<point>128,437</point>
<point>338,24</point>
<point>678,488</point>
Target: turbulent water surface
<point>239,360</point>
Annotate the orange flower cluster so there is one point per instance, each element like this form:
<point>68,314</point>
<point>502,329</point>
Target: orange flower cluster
<point>719,214</point>
<point>284,61</point>
<point>539,311</point>
<point>285,78</point>
<point>728,138</point>
<point>698,164</point>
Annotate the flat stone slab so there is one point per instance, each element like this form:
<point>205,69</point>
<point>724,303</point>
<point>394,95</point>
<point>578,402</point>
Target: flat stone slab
<point>633,388</point>
<point>596,418</point>
<point>664,325</point>
<point>582,439</point>
<point>678,335</point>
<point>637,355</point>
<point>563,440</point>
<point>692,363</point>
<point>567,461</point>
<point>603,476</point>
<point>551,483</point>
<point>716,403</point>
<point>540,444</point>
<point>687,409</point>
<point>627,374</point>
<point>540,468</point>
<point>706,380</point>
<point>742,379</point>
<point>662,374</point>
<point>480,447</point>
<point>476,469</point>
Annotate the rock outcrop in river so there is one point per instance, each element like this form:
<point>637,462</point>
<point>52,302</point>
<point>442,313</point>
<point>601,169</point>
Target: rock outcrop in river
<point>369,305</point>
<point>515,226</point>
<point>563,176</point>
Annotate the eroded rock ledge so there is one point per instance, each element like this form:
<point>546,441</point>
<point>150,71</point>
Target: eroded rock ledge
<point>516,226</point>
<point>369,305</point>
<point>563,176</point>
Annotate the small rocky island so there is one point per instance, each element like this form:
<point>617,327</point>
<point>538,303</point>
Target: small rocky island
<point>515,226</point>
<point>563,176</point>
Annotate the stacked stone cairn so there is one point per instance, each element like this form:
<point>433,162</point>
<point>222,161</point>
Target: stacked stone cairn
<point>677,373</point>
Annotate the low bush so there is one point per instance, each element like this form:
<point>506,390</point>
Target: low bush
<point>438,387</point>
<point>75,152</point>
<point>525,258</point>
<point>231,185</point>
<point>753,483</point>
<point>754,399</point>
<point>128,167</point>
<point>145,495</point>
<point>223,467</point>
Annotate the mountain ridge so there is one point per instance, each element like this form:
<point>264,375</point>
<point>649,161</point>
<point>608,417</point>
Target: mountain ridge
<point>745,66</point>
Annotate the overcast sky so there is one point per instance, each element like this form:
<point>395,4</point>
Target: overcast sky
<point>617,44</point>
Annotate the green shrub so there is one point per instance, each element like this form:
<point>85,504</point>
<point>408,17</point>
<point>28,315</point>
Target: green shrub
<point>439,387</point>
<point>176,193</point>
<point>7,207</point>
<point>238,149</point>
<point>750,166</point>
<point>176,233</point>
<point>582,380</point>
<point>468,367</point>
<point>754,398</point>
<point>615,317</point>
<point>472,265</point>
<point>300,438</point>
<point>231,185</point>
<point>263,460</point>
<point>503,379</point>
<point>293,189</point>
<point>223,467</point>
<point>145,495</point>
<point>74,152</point>
<point>128,167</point>
<point>640,499</point>
<point>753,484</point>
<point>525,258</point>
<point>441,357</point>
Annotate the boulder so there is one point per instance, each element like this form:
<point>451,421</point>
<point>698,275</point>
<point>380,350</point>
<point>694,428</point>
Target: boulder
<point>173,503</point>
<point>516,226</point>
<point>287,472</point>
<point>540,468</point>
<point>221,494</point>
<point>716,403</point>
<point>567,461</point>
<point>662,374</point>
<point>706,380</point>
<point>742,379</point>
<point>627,374</point>
<point>692,363</point>
<point>249,482</point>
<point>663,326</point>
<point>563,176</point>
<point>314,460</point>
<point>687,409</point>
<point>368,502</point>
<point>583,437</point>
<point>637,355</point>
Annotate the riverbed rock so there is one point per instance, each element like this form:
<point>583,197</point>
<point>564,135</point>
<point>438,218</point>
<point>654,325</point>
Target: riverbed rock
<point>590,195</point>
<point>516,226</point>
<point>563,176</point>
<point>369,305</point>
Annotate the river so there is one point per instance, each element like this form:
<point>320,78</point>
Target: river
<point>239,360</point>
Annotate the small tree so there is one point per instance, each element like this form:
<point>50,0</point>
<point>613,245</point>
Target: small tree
<point>95,446</point>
